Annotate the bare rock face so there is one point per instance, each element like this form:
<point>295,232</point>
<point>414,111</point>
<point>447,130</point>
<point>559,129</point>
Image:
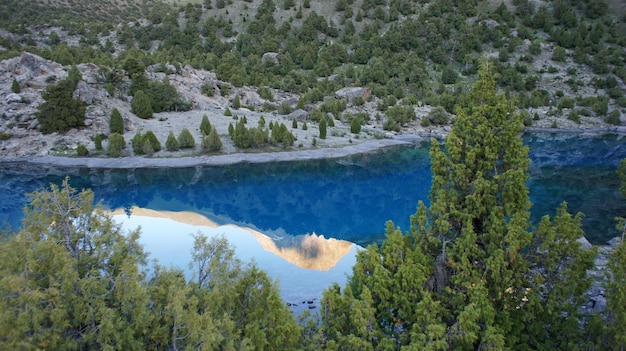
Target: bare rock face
<point>351,93</point>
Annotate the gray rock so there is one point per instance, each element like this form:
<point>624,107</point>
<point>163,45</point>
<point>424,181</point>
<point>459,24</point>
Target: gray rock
<point>84,92</point>
<point>299,115</point>
<point>13,98</point>
<point>270,57</point>
<point>351,93</point>
<point>34,124</point>
<point>584,243</point>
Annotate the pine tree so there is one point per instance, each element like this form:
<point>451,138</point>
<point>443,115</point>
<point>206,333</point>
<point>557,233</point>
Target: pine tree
<point>154,142</point>
<point>61,112</point>
<point>141,105</point>
<point>185,139</point>
<point>116,122</point>
<point>486,280</point>
<point>15,86</point>
<point>116,144</point>
<point>171,144</point>
<point>205,125</point>
<point>323,128</point>
<point>212,142</point>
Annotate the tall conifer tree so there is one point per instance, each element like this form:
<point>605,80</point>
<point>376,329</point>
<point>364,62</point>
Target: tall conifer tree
<point>470,274</point>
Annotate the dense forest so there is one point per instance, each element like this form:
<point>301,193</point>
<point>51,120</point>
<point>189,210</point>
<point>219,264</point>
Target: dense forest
<point>471,273</point>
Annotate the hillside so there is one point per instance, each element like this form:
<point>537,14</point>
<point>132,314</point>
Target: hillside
<point>406,65</point>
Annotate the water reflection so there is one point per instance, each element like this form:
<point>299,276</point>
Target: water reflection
<point>304,265</point>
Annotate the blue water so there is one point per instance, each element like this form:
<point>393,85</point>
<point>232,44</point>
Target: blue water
<point>349,199</point>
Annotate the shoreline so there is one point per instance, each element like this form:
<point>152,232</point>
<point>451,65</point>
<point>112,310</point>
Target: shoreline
<point>132,162</point>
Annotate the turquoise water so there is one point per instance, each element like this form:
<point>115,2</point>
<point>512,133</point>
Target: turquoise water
<point>349,198</point>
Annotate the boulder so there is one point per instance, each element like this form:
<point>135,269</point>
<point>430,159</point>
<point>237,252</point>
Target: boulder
<point>270,57</point>
<point>299,115</point>
<point>11,98</point>
<point>351,93</point>
<point>84,92</point>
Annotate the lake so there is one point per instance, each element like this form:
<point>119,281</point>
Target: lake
<point>348,200</point>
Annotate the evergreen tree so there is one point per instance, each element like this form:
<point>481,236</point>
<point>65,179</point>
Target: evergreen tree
<point>486,281</point>
<point>185,139</point>
<point>15,86</point>
<point>205,125</point>
<point>60,112</point>
<point>116,122</point>
<point>141,105</point>
<point>97,140</point>
<point>212,142</point>
<point>171,144</point>
<point>154,142</point>
<point>70,277</point>
<point>323,128</point>
<point>116,145</point>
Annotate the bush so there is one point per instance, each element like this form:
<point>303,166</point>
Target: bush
<point>185,139</point>
<point>439,116</point>
<point>284,108</point>
<point>566,102</point>
<point>82,151</point>
<point>323,128</point>
<point>98,141</point>
<point>137,143</point>
<point>116,122</point>
<point>171,144</point>
<point>294,124</point>
<point>153,140</point>
<point>574,116</point>
<point>15,86</point>
<point>228,112</point>
<point>355,126</point>
<point>141,105</point>
<point>212,142</point>
<point>559,54</point>
<point>205,125</point>
<point>613,118</point>
<point>448,76</point>
<point>116,145</point>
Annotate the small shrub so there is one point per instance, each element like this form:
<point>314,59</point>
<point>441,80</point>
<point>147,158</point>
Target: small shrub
<point>613,118</point>
<point>228,112</point>
<point>98,141</point>
<point>141,105</point>
<point>153,140</point>
<point>284,108</point>
<point>439,116</point>
<point>82,151</point>
<point>185,139</point>
<point>294,124</point>
<point>15,86</point>
<point>116,144</point>
<point>323,128</point>
<point>304,126</point>
<point>355,126</point>
<point>171,144</point>
<point>574,116</point>
<point>116,122</point>
<point>205,125</point>
<point>212,142</point>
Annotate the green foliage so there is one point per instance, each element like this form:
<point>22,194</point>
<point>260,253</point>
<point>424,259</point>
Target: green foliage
<point>438,116</point>
<point>81,150</point>
<point>116,145</point>
<point>469,275</point>
<point>82,283</point>
<point>171,144</point>
<point>294,123</point>
<point>236,102</point>
<point>116,122</point>
<point>205,125</point>
<point>15,86</point>
<point>613,118</point>
<point>228,113</point>
<point>212,141</point>
<point>185,139</point>
<point>60,112</point>
<point>141,105</point>
<point>284,108</point>
<point>616,292</point>
<point>323,127</point>
<point>559,54</point>
<point>97,140</point>
<point>355,125</point>
<point>151,139</point>
<point>449,75</point>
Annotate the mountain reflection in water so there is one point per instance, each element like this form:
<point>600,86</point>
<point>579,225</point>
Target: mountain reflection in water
<point>304,265</point>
